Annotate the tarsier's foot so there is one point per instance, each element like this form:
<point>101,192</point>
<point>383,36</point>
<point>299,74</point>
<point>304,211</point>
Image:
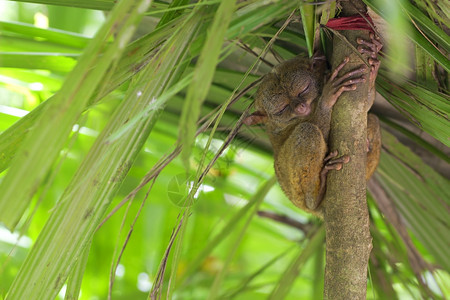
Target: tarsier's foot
<point>330,155</point>
<point>371,48</point>
<point>330,163</point>
<point>347,82</point>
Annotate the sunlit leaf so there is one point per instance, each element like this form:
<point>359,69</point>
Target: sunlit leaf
<point>426,109</point>
<point>203,76</point>
<point>86,198</point>
<point>286,281</point>
<point>308,13</point>
<point>420,195</point>
<point>33,161</point>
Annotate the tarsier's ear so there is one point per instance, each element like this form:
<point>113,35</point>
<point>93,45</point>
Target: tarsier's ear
<point>257,117</point>
<point>317,60</point>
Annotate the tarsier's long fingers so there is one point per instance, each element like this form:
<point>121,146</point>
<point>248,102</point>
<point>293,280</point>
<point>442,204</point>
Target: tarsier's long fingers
<point>371,48</point>
<point>345,88</point>
<point>376,40</point>
<point>344,84</point>
<point>330,155</point>
<point>336,163</point>
<point>374,64</point>
<point>339,68</point>
<point>374,45</point>
<point>369,52</point>
<point>341,80</point>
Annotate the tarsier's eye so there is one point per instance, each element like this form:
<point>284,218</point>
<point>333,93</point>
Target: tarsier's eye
<point>280,112</point>
<point>305,90</point>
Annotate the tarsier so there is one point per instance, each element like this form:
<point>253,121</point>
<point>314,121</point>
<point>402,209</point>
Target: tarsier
<point>295,105</point>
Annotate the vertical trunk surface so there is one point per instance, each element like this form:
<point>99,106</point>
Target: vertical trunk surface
<point>348,240</point>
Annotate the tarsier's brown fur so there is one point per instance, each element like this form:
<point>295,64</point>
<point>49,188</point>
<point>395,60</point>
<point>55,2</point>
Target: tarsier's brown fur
<point>295,103</point>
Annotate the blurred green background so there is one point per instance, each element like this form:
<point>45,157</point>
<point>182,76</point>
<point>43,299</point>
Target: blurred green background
<point>240,238</point>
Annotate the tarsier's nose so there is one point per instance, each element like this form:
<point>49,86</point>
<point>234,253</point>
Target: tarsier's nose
<point>302,109</point>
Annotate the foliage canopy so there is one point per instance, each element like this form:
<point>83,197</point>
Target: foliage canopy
<point>118,175</point>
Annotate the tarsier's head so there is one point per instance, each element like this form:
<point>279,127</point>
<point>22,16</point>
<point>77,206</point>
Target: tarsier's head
<point>286,95</point>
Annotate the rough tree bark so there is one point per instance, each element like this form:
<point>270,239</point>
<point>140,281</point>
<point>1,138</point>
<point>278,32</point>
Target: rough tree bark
<point>348,240</point>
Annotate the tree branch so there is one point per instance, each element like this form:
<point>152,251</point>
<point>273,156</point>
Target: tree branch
<point>348,240</point>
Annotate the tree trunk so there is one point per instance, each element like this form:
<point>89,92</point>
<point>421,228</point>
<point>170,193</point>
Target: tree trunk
<point>348,240</point>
